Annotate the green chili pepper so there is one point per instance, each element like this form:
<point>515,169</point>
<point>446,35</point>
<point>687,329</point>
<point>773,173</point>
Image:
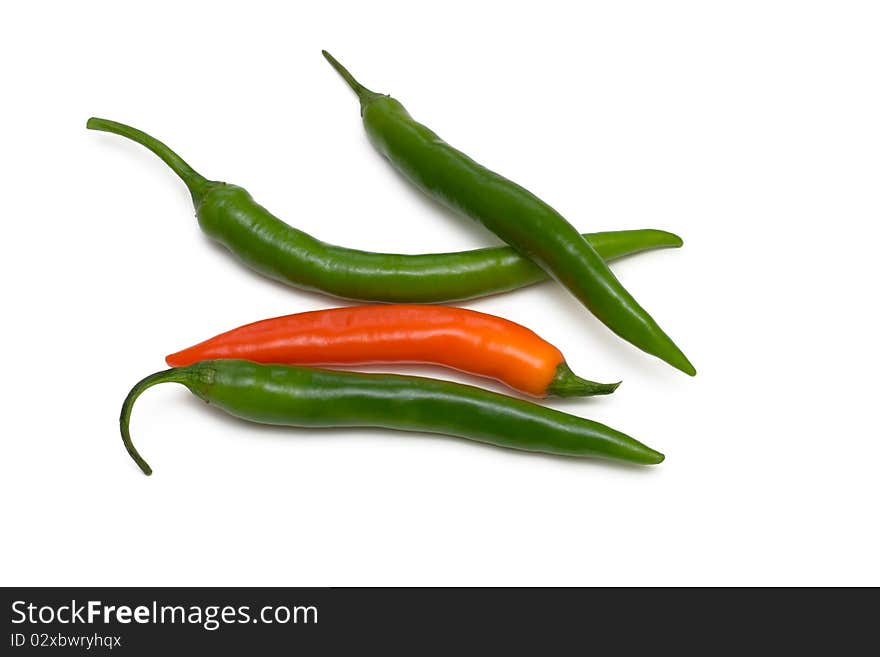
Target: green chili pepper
<point>229,215</point>
<point>513,213</point>
<point>307,397</point>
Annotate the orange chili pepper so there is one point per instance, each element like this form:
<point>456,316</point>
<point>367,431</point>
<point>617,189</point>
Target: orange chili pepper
<point>464,340</point>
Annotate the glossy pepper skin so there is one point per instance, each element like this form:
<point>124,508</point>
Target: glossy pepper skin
<point>513,213</point>
<point>306,397</point>
<point>465,340</point>
<point>230,216</point>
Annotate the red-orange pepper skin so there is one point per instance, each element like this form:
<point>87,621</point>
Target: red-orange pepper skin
<point>465,340</point>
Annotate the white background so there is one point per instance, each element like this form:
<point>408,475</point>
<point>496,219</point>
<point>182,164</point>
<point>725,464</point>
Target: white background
<point>752,129</point>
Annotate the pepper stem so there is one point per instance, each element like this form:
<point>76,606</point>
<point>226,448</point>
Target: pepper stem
<point>363,94</point>
<point>566,383</point>
<point>175,375</point>
<point>195,182</point>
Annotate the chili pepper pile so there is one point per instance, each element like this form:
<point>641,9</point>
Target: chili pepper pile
<point>264,371</point>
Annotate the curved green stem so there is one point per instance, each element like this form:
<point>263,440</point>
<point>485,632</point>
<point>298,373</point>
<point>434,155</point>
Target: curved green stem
<point>363,94</point>
<point>194,180</point>
<point>174,375</point>
<point>566,383</point>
